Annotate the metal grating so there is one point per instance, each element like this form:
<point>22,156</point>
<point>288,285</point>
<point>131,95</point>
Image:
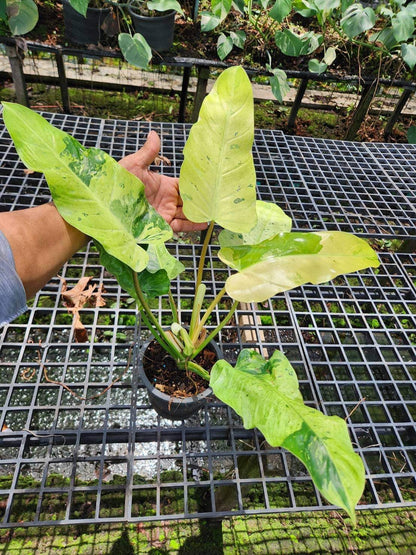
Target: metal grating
<point>367,189</point>
<point>109,457</point>
<point>336,185</point>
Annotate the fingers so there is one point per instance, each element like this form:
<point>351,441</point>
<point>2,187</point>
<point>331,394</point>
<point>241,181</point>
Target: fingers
<point>143,157</point>
<point>150,149</point>
<point>185,225</point>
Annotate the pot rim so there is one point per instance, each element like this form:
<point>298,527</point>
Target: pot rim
<point>155,391</point>
<point>94,10</point>
<point>164,15</point>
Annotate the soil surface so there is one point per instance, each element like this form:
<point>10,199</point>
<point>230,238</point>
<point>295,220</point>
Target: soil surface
<point>161,369</point>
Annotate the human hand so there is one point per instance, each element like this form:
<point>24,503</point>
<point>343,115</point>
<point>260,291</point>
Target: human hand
<point>162,191</point>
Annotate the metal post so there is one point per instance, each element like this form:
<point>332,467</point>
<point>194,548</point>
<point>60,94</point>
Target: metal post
<point>201,91</point>
<point>184,93</point>
<point>366,97</point>
<point>296,104</point>
<point>406,94</point>
<point>63,84</point>
<point>14,54</point>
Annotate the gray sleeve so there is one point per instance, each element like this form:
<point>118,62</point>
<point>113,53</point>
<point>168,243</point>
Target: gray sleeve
<point>12,293</point>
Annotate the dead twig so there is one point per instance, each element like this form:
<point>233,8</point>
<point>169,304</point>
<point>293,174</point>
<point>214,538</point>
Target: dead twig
<point>355,408</point>
<point>73,393</point>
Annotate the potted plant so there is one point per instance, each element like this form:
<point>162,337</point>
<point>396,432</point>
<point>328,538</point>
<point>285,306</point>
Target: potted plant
<point>87,22</point>
<point>150,24</point>
<point>155,21</point>
<point>217,184</point>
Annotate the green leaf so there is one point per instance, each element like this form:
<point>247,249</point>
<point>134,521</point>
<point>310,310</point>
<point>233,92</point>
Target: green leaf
<point>165,5</point>
<point>409,55</point>
<point>135,49</point>
<point>410,9</point>
<point>209,21</point>
<point>315,66</point>
<point>327,5</point>
<point>266,395</point>
<point>161,259</point>
<point>290,43</point>
<point>3,11</point>
<point>386,37</point>
<point>221,8</point>
<point>295,45</point>
<point>292,259</point>
<point>279,83</point>
<point>238,38</point>
<point>357,19</point>
<point>304,8</point>
<point>240,5</point>
<point>280,10</point>
<point>264,4</point>
<point>91,191</point>
<point>330,55</point>
<point>324,9</point>
<point>411,135</point>
<point>153,284</point>
<point>345,4</point>
<point>22,16</point>
<point>80,6</point>
<point>403,26</point>
<point>270,220</point>
<point>224,46</point>
<point>217,179</point>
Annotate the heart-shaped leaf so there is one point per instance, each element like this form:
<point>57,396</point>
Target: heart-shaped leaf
<point>265,393</point>
<point>135,49</point>
<point>22,16</point>
<point>357,19</point>
<point>80,6</point>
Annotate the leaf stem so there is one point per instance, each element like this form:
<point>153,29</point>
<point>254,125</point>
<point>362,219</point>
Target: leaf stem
<point>208,314</point>
<point>173,307</point>
<point>153,324</point>
<point>198,369</point>
<point>217,329</point>
<point>203,254</point>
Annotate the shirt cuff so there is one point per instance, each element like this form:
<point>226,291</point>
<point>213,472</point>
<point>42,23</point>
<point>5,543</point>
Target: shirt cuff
<point>12,292</point>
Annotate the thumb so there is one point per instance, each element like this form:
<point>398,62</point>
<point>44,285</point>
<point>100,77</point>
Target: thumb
<point>146,155</point>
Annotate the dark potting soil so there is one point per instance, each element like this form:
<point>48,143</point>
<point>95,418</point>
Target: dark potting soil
<point>161,370</point>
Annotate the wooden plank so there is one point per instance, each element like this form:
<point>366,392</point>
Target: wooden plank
<point>15,56</point>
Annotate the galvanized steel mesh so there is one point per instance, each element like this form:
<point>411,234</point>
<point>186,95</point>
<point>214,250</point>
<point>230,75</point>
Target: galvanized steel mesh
<point>84,452</point>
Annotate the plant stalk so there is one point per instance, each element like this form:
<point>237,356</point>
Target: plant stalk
<point>191,365</point>
<point>207,314</point>
<point>203,254</point>
<point>153,324</point>
<point>173,307</point>
<point>217,329</point>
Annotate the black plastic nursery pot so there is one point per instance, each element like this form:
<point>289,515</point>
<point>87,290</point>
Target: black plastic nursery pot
<point>168,406</point>
<point>84,30</point>
<point>157,30</point>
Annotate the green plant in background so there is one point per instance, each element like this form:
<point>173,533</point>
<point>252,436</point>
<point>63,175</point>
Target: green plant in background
<point>133,46</point>
<point>338,25</point>
<point>22,16</point>
<point>217,185</point>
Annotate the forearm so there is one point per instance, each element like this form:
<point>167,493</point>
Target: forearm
<point>41,242</point>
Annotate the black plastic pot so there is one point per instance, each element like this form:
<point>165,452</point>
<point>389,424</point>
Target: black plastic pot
<point>158,30</point>
<point>174,408</point>
<point>84,30</point>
